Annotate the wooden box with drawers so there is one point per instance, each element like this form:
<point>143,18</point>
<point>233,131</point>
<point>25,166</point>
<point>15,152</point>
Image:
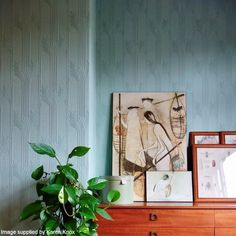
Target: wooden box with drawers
<point>153,219</point>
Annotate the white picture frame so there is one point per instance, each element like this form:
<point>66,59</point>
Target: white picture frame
<point>169,186</point>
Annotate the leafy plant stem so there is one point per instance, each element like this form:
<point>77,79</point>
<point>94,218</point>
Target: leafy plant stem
<point>70,215</point>
<point>58,161</point>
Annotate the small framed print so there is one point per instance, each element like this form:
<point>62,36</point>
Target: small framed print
<point>228,137</point>
<point>169,186</point>
<point>214,173</point>
<point>197,138</point>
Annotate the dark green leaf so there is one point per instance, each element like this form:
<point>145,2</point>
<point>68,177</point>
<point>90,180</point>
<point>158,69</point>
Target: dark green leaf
<point>79,151</point>
<point>51,224</point>
<point>113,196</point>
<point>70,173</point>
<point>52,189</point>
<point>60,179</point>
<point>43,149</point>
<point>97,183</point>
<point>62,196</point>
<point>31,209</point>
<point>37,173</point>
<point>72,194</point>
<point>103,213</point>
<point>39,186</point>
<point>87,212</point>
<point>71,225</point>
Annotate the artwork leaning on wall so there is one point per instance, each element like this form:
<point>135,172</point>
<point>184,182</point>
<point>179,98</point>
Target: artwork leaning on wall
<point>149,133</point>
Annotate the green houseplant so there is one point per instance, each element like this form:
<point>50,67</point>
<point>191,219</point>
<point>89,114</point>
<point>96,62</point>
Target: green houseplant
<point>64,206</point>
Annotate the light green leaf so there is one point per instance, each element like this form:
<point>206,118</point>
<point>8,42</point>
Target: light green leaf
<point>31,209</point>
<point>43,149</point>
<point>70,173</point>
<point>84,230</point>
<point>97,183</point>
<point>72,194</point>
<point>52,189</point>
<point>113,196</point>
<point>79,151</point>
<point>37,173</point>
<point>87,199</point>
<point>62,196</point>
<point>103,213</point>
<point>87,212</point>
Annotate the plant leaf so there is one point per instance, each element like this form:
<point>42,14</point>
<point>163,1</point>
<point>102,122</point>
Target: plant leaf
<point>70,173</point>
<point>97,183</point>
<point>79,151</point>
<point>113,196</point>
<point>87,212</point>
<point>87,199</point>
<point>71,225</point>
<point>31,209</point>
<point>62,196</point>
<point>51,224</point>
<point>103,213</point>
<point>39,187</point>
<point>37,173</point>
<point>72,194</point>
<point>43,149</point>
<point>52,189</point>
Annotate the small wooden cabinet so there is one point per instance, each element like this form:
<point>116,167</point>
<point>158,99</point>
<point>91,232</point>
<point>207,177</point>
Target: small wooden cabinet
<point>153,219</point>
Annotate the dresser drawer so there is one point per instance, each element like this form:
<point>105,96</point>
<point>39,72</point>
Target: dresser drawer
<point>225,231</point>
<point>160,218</point>
<point>225,218</point>
<point>141,231</point>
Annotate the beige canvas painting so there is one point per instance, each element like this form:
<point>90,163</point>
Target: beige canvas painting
<point>149,133</point>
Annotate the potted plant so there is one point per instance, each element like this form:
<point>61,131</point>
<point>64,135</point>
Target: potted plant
<point>64,206</point>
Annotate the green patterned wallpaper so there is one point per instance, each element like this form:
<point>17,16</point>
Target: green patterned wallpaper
<point>44,87</point>
<point>167,45</point>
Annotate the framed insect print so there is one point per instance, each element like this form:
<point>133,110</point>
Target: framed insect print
<point>214,173</point>
<point>149,133</point>
<point>204,138</point>
<point>228,137</point>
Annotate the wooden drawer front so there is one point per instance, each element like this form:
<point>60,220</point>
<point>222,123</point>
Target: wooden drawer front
<point>160,218</point>
<point>225,218</point>
<point>119,231</point>
<point>225,232</point>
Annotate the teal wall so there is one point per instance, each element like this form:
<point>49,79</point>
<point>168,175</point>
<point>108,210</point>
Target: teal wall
<point>45,87</point>
<point>166,45</point>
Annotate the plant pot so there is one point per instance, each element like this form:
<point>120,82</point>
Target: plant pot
<point>123,184</point>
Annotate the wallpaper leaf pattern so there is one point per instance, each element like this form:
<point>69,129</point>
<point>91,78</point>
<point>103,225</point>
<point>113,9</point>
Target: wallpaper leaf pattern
<point>43,86</point>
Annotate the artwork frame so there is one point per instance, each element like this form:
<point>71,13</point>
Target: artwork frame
<point>169,186</point>
<point>148,132</point>
<point>203,179</point>
<point>228,137</point>
<point>208,137</point>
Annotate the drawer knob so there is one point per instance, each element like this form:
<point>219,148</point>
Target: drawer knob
<point>153,233</point>
<point>153,217</point>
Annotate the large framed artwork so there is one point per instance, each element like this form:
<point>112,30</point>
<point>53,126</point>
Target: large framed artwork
<point>149,133</point>
<point>214,173</point>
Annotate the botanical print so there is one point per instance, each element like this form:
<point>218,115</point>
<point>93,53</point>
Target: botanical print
<point>216,172</point>
<point>149,133</point>
<point>169,186</point>
<point>207,139</point>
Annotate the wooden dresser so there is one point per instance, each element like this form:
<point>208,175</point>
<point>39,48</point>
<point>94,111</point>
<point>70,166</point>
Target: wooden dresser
<point>157,219</point>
